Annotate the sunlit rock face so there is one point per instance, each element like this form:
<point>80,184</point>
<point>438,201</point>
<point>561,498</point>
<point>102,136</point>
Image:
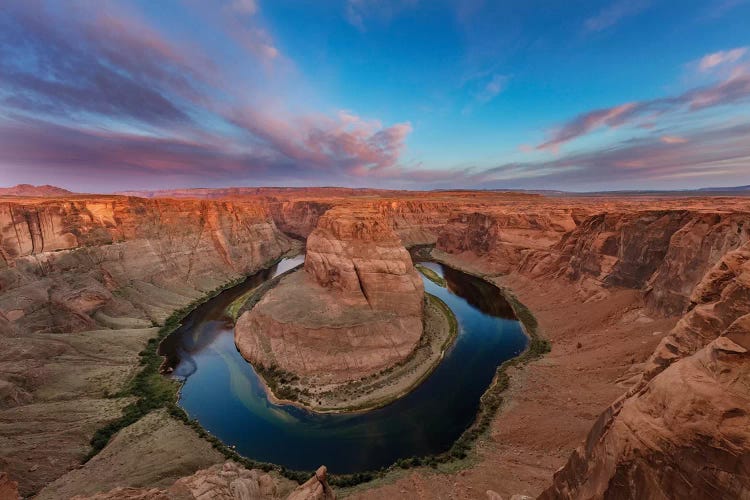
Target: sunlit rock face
<point>354,310</point>
<point>69,265</point>
<point>360,256</point>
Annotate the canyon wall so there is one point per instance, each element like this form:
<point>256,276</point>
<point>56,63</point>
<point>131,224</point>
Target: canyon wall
<point>84,281</point>
<point>73,265</point>
<point>682,431</point>
<point>297,217</point>
<point>664,253</point>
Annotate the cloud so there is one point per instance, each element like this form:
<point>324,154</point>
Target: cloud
<point>97,64</point>
<point>344,144</point>
<point>247,7</point>
<point>721,152</point>
<point>321,149</point>
<point>719,8</point>
<point>732,90</point>
<point>585,123</point>
<point>482,87</point>
<point>672,139</point>
<point>97,90</point>
<point>493,87</point>
<point>722,57</point>
<point>358,12</point>
<point>614,13</point>
<point>354,14</point>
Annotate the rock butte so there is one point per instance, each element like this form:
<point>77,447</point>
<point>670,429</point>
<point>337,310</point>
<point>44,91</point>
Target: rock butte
<point>645,299</point>
<point>354,310</point>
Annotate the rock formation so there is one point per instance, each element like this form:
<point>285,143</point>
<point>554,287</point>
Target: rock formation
<point>228,481</point>
<point>683,431</point>
<point>354,310</point>
<point>62,260</point>
<point>360,256</point>
<point>646,298</point>
<point>83,280</point>
<point>8,488</point>
<point>29,190</point>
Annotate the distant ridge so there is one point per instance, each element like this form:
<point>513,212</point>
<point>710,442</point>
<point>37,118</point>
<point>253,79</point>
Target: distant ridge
<point>34,191</point>
<point>334,191</point>
<point>734,189</point>
<point>226,192</point>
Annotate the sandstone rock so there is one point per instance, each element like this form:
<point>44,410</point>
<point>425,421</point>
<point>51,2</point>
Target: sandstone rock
<point>73,267</point>
<point>228,481</point>
<point>316,488</point>
<point>360,256</point>
<point>683,431</point>
<point>62,260</point>
<point>8,488</point>
<point>355,309</point>
<point>298,217</point>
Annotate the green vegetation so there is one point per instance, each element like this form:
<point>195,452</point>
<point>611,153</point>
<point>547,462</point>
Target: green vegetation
<point>150,388</point>
<point>151,391</point>
<point>233,310</point>
<point>492,399</point>
<point>431,275</point>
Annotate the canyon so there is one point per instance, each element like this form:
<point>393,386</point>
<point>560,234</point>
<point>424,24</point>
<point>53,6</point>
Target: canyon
<point>645,300</point>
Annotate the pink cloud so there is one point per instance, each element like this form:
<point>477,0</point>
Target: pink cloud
<point>342,143</point>
<point>587,122</point>
<point>720,58</point>
<point>247,7</point>
<point>732,90</point>
<point>672,139</point>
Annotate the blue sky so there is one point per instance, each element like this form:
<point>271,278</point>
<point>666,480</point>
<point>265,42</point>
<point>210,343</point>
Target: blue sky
<point>409,94</point>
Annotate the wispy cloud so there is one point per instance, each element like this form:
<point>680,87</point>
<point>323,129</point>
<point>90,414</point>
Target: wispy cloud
<point>672,139</point>
<point>720,8</point>
<point>721,152</point>
<point>493,87</point>
<point>722,57</point>
<point>482,87</point>
<point>359,12</point>
<point>107,91</point>
<point>318,149</point>
<point>614,14</point>
<point>732,90</point>
<point>248,7</point>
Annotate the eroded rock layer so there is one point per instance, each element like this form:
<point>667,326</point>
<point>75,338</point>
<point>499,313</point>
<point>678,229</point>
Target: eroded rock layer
<point>229,481</point>
<point>84,281</point>
<point>645,300</point>
<point>354,310</point>
<point>683,431</point>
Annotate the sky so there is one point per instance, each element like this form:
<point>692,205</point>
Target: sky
<point>409,94</point>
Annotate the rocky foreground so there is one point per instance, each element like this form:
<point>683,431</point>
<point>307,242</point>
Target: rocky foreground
<point>645,300</point>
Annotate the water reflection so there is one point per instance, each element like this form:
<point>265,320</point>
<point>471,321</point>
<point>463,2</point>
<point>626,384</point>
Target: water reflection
<point>223,392</point>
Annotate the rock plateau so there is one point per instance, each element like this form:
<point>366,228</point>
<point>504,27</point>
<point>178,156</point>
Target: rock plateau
<point>354,310</point>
